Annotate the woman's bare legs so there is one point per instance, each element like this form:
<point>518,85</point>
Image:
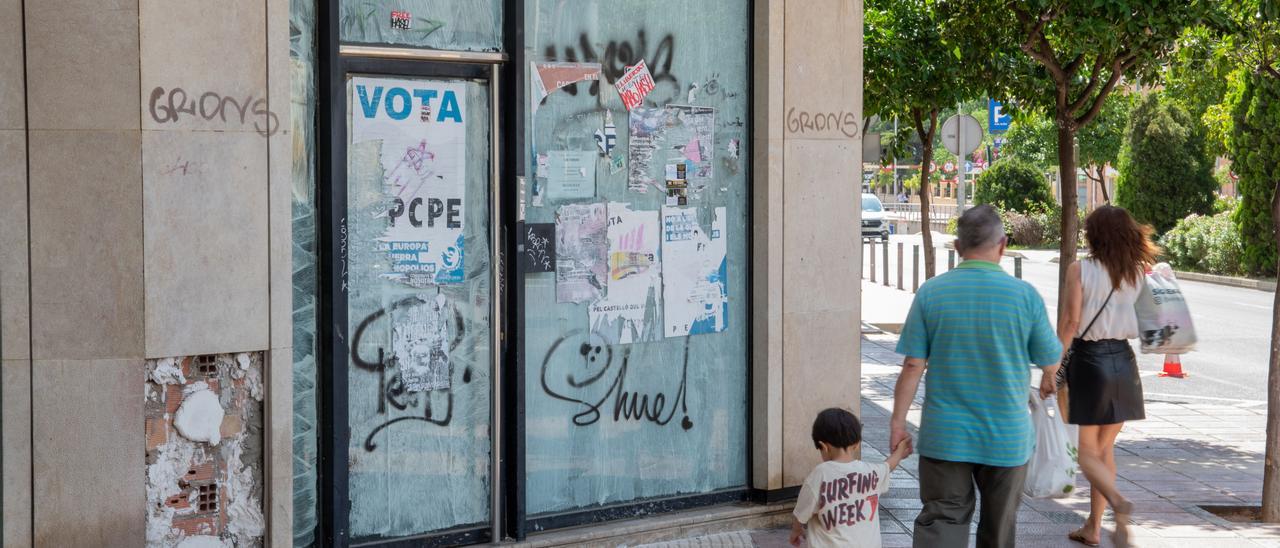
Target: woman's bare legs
<point>1098,462</point>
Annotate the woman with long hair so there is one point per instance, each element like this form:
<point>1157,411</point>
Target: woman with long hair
<point>1103,387</point>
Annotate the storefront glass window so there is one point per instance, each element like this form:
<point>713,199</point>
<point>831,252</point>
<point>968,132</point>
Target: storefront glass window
<point>635,251</point>
<point>465,25</point>
<point>302,63</point>
<point>418,172</point>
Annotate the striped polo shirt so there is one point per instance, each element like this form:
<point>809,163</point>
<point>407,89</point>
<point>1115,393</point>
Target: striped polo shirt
<point>979,330</point>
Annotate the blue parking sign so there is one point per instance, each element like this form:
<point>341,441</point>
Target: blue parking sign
<point>997,120</point>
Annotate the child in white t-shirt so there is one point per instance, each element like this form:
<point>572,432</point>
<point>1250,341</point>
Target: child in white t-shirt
<point>840,500</point>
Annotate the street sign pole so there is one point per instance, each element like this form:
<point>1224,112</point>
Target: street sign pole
<point>963,157</point>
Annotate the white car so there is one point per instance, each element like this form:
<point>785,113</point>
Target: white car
<point>873,221</point>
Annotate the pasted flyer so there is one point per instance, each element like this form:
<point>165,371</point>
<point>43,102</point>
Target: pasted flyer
<point>629,311</point>
<point>659,139</point>
<point>422,133</point>
<point>695,283</point>
<point>581,244</point>
<point>634,85</point>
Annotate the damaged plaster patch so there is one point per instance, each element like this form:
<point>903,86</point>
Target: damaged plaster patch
<point>204,432</point>
<point>163,477</point>
<point>200,416</point>
<point>244,511</point>
<point>166,371</point>
<point>203,541</point>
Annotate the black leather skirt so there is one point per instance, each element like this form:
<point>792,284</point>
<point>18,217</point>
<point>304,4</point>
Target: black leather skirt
<point>1103,382</point>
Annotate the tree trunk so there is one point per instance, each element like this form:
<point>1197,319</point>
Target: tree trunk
<point>1102,182</point>
<point>926,226</point>
<point>1271,465</point>
<point>1068,197</point>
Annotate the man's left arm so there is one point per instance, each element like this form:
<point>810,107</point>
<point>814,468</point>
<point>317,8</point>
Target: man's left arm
<point>1043,346</point>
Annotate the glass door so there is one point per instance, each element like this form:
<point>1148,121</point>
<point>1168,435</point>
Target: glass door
<point>419,282</point>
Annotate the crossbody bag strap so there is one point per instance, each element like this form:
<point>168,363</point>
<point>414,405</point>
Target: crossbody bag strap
<point>1066,362</point>
<point>1099,314</point>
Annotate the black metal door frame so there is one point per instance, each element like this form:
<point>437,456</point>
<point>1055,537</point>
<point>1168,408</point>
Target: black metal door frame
<point>335,65</point>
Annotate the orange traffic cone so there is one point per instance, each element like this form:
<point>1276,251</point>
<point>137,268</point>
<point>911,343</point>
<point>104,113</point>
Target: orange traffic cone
<point>1173,367</point>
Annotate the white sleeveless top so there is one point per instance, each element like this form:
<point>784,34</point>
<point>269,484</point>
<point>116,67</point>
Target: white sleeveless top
<point>1119,320</point>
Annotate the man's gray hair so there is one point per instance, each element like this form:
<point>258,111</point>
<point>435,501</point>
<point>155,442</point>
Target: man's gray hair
<point>978,228</point>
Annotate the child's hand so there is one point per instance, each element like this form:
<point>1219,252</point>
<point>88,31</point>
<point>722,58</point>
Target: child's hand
<point>797,533</point>
<point>904,449</point>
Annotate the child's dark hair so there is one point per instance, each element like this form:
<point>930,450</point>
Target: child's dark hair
<point>837,427</point>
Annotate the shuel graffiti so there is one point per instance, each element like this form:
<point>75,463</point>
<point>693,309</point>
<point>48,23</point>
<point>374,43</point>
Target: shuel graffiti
<point>591,363</point>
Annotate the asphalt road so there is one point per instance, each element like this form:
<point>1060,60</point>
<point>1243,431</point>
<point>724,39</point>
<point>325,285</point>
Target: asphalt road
<point>1233,326</point>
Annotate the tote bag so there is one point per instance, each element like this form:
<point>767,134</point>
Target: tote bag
<point>1164,320</point>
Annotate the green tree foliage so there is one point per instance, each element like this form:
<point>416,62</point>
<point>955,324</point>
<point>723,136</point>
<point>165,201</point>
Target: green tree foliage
<point>1012,185</point>
<point>1032,139</point>
<point>1196,76</point>
<point>1255,150</point>
<point>1099,143</point>
<point>1165,171</point>
<point>1066,57</point>
<point>913,74</point>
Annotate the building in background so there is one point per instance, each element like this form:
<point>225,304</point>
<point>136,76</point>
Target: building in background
<point>287,273</point>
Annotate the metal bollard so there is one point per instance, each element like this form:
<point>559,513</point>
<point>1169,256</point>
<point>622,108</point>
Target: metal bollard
<point>951,259</point>
<point>899,266</point>
<point>885,250</point>
<point>873,261</point>
<point>915,268</point>
<point>1017,267</point>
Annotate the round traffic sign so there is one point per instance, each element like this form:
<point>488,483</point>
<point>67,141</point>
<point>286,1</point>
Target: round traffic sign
<point>961,134</point>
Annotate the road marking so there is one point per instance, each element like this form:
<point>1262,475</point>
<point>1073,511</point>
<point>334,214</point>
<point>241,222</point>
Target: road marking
<point>1254,306</point>
<point>1232,400</point>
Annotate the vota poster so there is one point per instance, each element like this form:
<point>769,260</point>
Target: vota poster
<point>420,126</point>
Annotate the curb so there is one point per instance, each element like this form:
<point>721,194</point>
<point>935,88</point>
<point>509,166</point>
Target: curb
<point>1231,281</point>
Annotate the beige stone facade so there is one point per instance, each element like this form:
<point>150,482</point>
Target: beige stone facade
<point>145,164</point>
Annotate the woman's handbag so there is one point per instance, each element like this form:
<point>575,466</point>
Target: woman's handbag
<point>1063,400</point>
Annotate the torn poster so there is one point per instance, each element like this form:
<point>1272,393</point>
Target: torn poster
<point>608,138</point>
<point>695,290</point>
<point>629,311</point>
<point>675,134</point>
<point>545,78</point>
<point>571,174</point>
<point>538,247</point>
<point>420,343</point>
<point>581,244</point>
<point>424,172</point>
<point>634,85</point>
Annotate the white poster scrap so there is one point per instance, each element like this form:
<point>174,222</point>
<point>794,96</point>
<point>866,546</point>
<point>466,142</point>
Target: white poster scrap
<point>695,288</point>
<point>423,145</point>
<point>635,278</point>
<point>581,244</point>
<point>420,344</point>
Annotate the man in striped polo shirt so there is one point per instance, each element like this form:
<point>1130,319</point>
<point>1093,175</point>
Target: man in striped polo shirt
<point>977,330</point>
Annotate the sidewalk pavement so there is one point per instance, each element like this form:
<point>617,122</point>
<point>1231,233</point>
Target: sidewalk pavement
<point>1184,455</point>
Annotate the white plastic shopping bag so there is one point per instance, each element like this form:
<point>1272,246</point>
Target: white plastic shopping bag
<point>1051,473</point>
<point>1164,321</point>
